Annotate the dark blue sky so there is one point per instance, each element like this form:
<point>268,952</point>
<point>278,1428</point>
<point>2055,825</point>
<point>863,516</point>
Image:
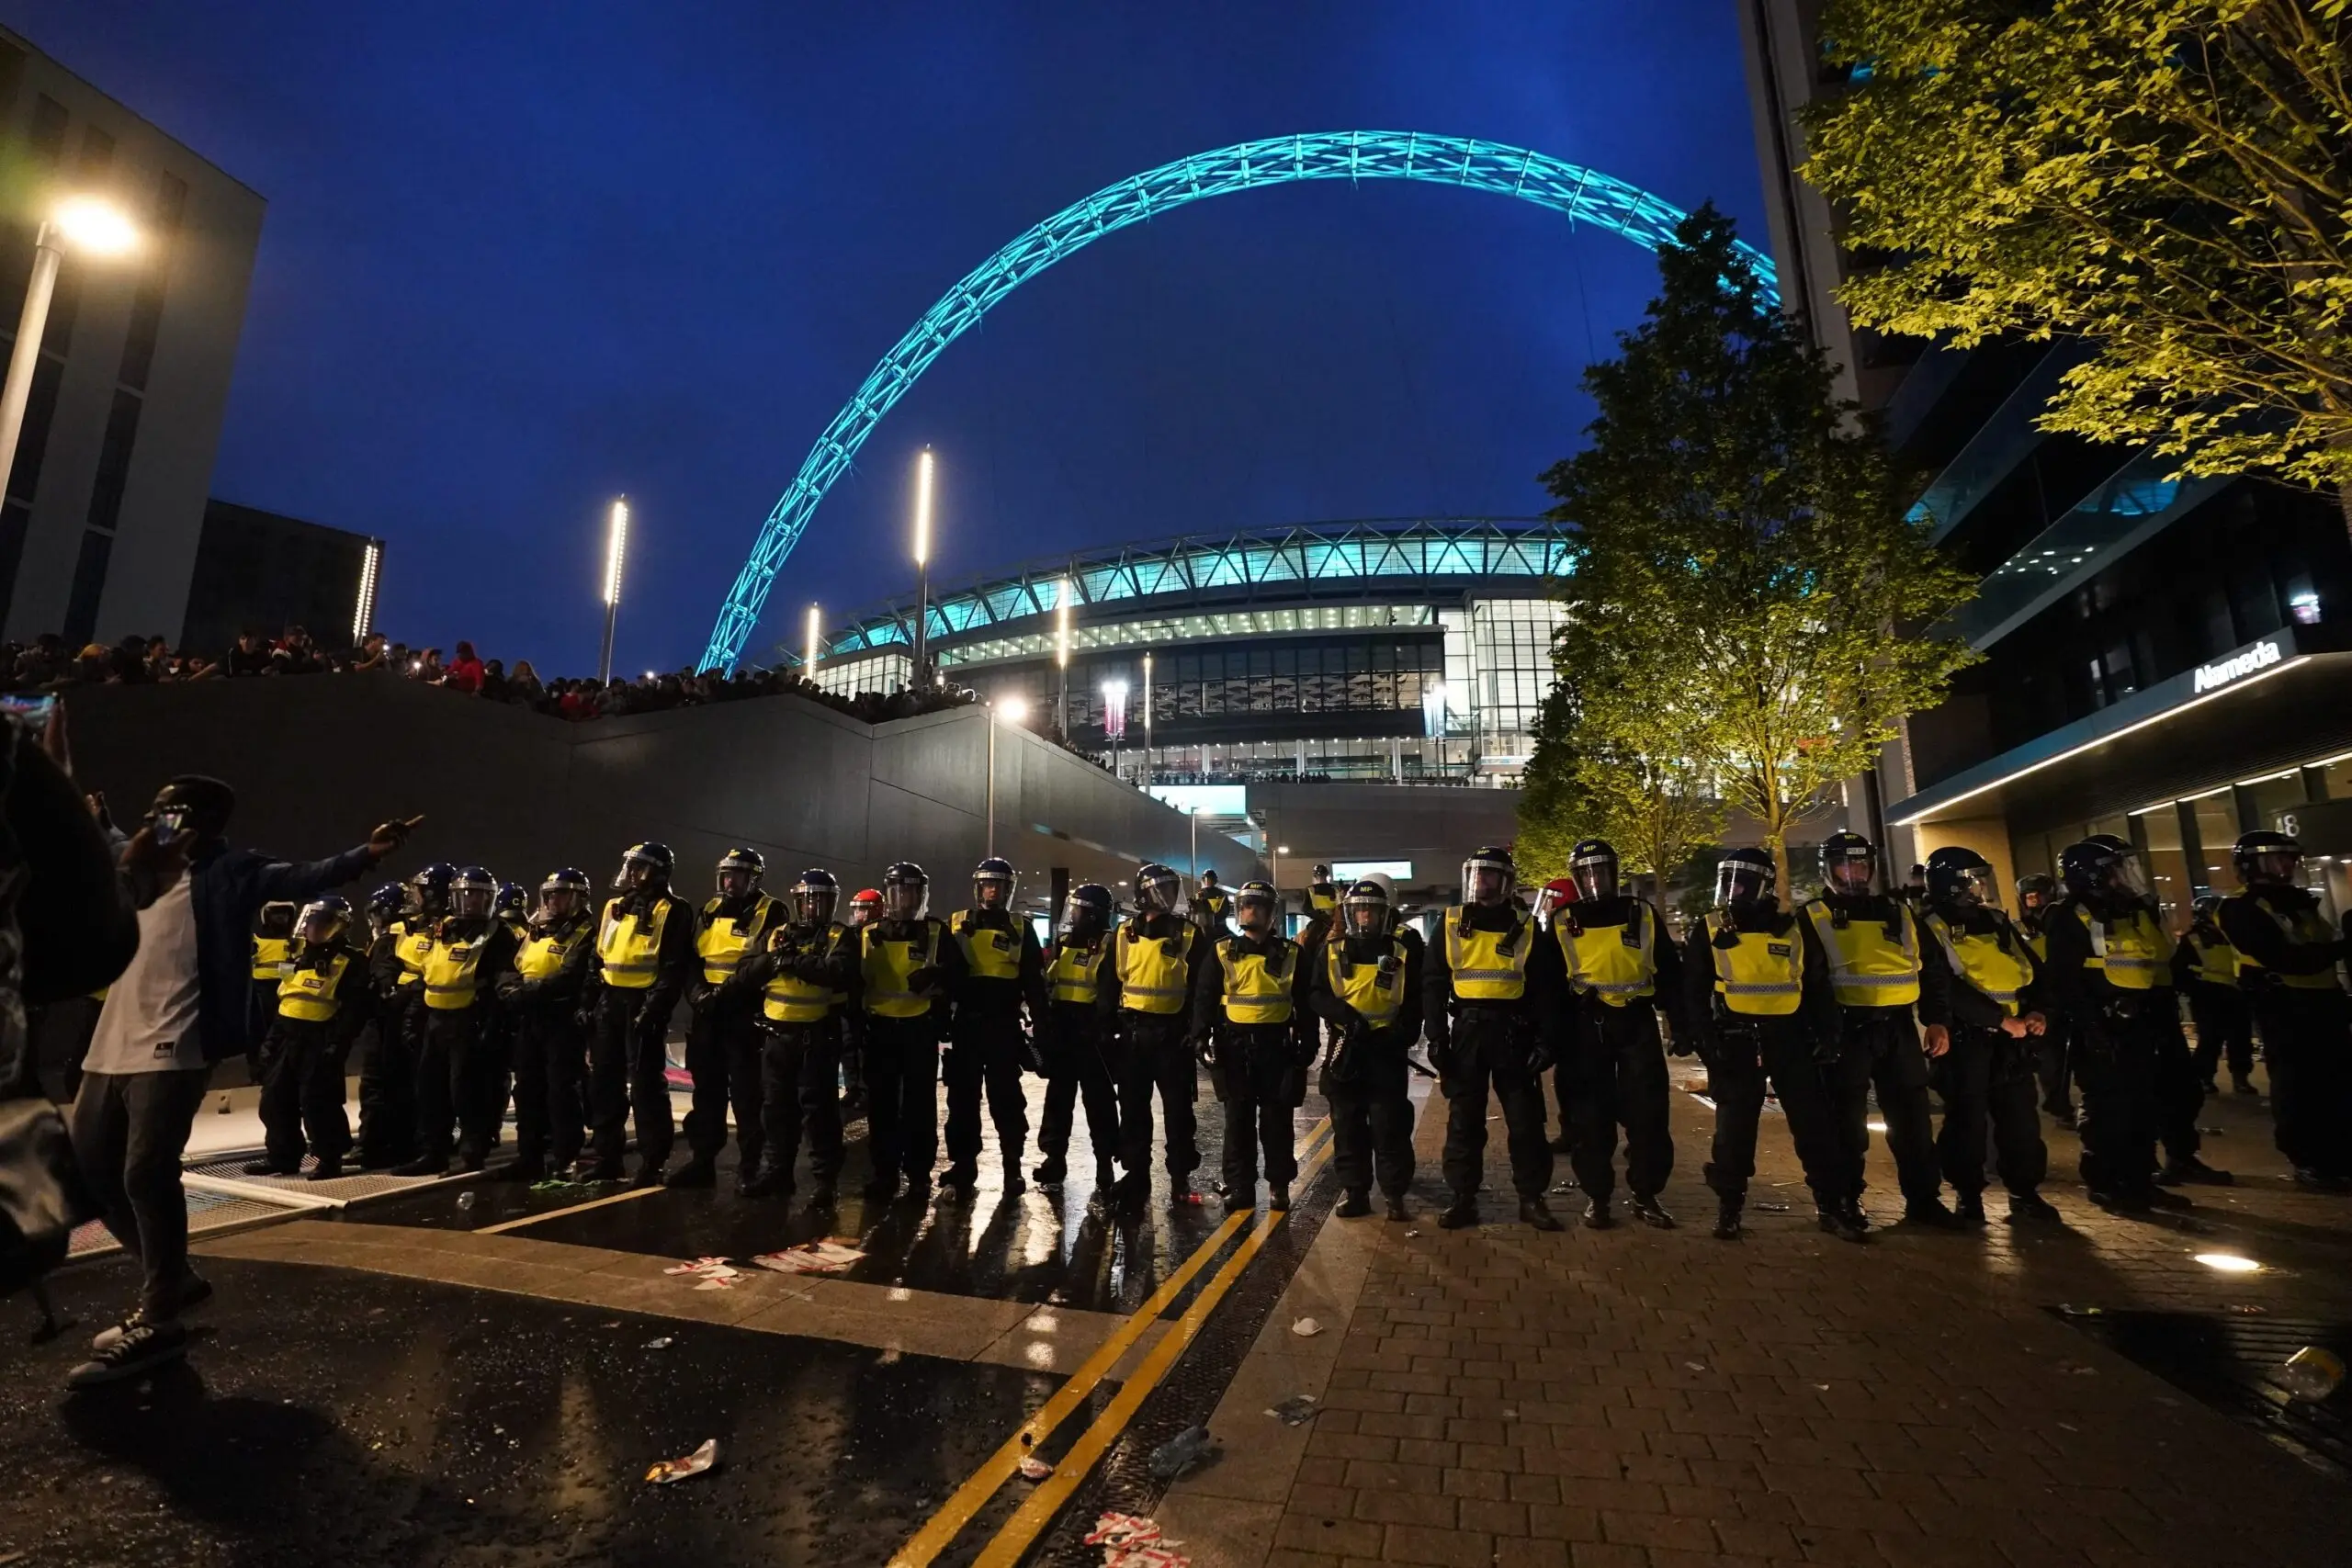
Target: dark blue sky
<point>519,257</point>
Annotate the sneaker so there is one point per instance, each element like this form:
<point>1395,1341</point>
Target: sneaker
<point>142,1348</point>
<point>327,1170</point>
<point>2193,1170</point>
<point>1968,1209</point>
<point>1536,1213</point>
<point>1462,1213</point>
<point>695,1173</point>
<point>1727,1218</point>
<point>106,1336</point>
<point>2034,1208</point>
<point>1596,1216</point>
<point>1652,1212</point>
<point>270,1167</point>
<point>1397,1210</point>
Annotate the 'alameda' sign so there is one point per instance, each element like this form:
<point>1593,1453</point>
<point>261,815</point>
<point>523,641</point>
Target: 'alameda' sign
<point>2237,667</point>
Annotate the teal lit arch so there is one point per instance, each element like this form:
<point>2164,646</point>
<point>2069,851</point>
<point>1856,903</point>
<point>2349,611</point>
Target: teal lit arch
<point>1584,195</point>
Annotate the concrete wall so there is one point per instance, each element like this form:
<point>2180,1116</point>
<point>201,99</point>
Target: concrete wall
<point>317,760</point>
<point>1432,826</point>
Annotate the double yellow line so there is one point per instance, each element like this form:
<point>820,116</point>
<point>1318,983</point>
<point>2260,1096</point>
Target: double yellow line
<point>1039,1508</point>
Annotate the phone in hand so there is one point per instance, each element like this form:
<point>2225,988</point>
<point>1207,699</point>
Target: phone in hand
<point>33,707</point>
<point>168,824</point>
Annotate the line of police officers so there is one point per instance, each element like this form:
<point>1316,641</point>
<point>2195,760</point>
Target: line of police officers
<point>471,993</point>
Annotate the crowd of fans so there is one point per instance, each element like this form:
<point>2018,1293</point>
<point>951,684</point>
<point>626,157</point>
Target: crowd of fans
<point>47,664</point>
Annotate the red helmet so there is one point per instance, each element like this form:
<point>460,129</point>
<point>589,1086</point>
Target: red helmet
<point>864,906</point>
<point>1559,891</point>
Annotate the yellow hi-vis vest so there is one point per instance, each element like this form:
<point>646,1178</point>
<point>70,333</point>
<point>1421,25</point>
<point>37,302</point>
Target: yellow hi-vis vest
<point>1075,974</point>
<point>721,943</point>
<point>1617,963</point>
<point>310,994</point>
<point>1154,972</point>
<point>1257,985</point>
<point>2040,942</point>
<point>2135,955</point>
<point>1763,974</point>
<point>2217,961</point>
<point>889,964</point>
<point>1866,969</point>
<point>788,998</point>
<point>1376,990</point>
<point>451,971</point>
<point>411,944</point>
<point>1489,966</point>
<point>1320,902</point>
<point>1987,960</point>
<point>630,946</point>
<point>990,953</point>
<point>273,957</point>
<point>2303,925</point>
<point>543,953</point>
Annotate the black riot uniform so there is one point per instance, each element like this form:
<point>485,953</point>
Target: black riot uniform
<point>807,977</point>
<point>1003,972</point>
<point>644,961</point>
<point>1494,1002</point>
<point>1871,942</point>
<point>1075,1038</point>
<point>1366,981</point>
<point>2205,969</point>
<point>387,1094</point>
<point>321,1000</point>
<point>1252,1030</point>
<point>1759,1006</point>
<point>539,999</point>
<point>1153,957</point>
<point>2289,956</point>
<point>461,1075</point>
<point>1619,961</point>
<point>2037,895</point>
<point>1978,977</point>
<point>909,967</point>
<point>1213,906</point>
<point>723,1039</point>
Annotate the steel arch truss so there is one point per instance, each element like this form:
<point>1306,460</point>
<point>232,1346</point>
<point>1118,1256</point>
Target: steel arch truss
<point>1584,195</point>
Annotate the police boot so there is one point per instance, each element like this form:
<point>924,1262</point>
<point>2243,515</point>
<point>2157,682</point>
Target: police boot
<point>1277,1195</point>
<point>1534,1211</point>
<point>1968,1209</point>
<point>519,1170</point>
<point>425,1165</point>
<point>1051,1171</point>
<point>696,1172</point>
<point>1652,1212</point>
<point>1354,1206</point>
<point>823,1199</point>
<point>594,1169</point>
<point>270,1167</point>
<point>327,1170</point>
<point>1929,1213</point>
<point>1727,1218</point>
<point>2158,1198</point>
<point>1837,1219</point>
<point>1462,1213</point>
<point>961,1177</point>
<point>2189,1168</point>
<point>769,1181</point>
<point>1597,1214</point>
<point>1241,1199</point>
<point>2034,1208</point>
<point>2241,1084</point>
<point>1397,1210</point>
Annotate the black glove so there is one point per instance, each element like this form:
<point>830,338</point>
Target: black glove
<point>1204,1049</point>
<point>698,994</point>
<point>927,980</point>
<point>1540,1057</point>
<point>809,968</point>
<point>1827,1050</point>
<point>1440,1054</point>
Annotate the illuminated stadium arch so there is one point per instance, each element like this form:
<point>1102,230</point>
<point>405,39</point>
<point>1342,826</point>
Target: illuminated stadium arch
<point>1586,196</point>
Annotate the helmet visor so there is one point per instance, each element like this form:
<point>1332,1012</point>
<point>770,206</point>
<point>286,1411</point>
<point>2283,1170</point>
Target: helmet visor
<point>1742,882</point>
<point>734,881</point>
<point>813,905</point>
<point>2276,866</point>
<point>905,901</point>
<point>1367,916</point>
<point>559,903</point>
<point>1595,876</point>
<point>1082,918</point>
<point>1848,871</point>
<point>1254,912</point>
<point>470,902</point>
<point>1156,894</point>
<point>636,872</point>
<point>1978,884</point>
<point>319,924</point>
<point>988,892</point>
<point>1486,883</point>
<point>2126,875</point>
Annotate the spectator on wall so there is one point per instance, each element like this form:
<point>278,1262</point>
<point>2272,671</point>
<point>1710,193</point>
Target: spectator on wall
<point>249,657</point>
<point>465,672</point>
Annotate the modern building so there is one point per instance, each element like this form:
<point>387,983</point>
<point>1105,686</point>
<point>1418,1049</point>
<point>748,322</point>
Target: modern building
<point>2164,659</point>
<point>105,500</point>
<point>261,570</point>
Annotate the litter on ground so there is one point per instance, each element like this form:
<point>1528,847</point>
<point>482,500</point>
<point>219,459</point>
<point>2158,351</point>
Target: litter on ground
<point>829,1255</point>
<point>694,1463</point>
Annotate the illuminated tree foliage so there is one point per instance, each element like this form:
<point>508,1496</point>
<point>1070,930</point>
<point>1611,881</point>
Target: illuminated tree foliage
<point>1648,799</point>
<point>2169,179</point>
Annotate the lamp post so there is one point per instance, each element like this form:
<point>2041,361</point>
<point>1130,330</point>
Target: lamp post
<point>808,662</point>
<point>1192,817</point>
<point>1061,650</point>
<point>616,551</point>
<point>1012,710</point>
<point>922,567</point>
<point>1150,774</point>
<point>89,225</point>
<point>1114,717</point>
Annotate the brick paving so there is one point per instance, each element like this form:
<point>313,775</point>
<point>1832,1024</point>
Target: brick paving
<point>1638,1399</point>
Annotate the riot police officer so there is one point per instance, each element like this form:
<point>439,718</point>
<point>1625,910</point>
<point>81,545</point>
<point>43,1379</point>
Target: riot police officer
<point>273,955</point>
<point>2205,970</point>
<point>1212,906</point>
<point>1074,1039</point>
<point>1154,957</point>
<point>2290,955</point>
<point>1613,1069</point>
<point>1977,979</point>
<point>908,966</point>
<point>723,1042</point>
<point>386,1111</point>
<point>540,998</point>
<point>849,1022</point>
<point>461,1079</point>
<point>322,1002</point>
<point>1492,1001</point>
<point>1003,972</point>
<point>1871,942</point>
<point>808,977</point>
<point>2037,895</point>
<point>1760,1006</point>
<point>1366,983</point>
<point>1322,895</point>
<point>645,958</point>
<point>512,907</point>
<point>396,969</point>
<point>1251,1028</point>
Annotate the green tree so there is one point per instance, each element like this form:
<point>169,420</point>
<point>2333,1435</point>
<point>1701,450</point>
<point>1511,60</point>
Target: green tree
<point>1747,586</point>
<point>2170,180</point>
<point>1648,799</point>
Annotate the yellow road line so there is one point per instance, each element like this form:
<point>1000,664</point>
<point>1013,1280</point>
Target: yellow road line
<point>1039,1508</point>
<point>943,1527</point>
<point>575,1209</point>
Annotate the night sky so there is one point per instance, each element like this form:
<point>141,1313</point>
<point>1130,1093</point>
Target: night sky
<point>521,257</point>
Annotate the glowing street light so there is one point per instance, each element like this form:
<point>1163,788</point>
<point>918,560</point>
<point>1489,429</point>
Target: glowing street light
<point>1114,717</point>
<point>808,664</point>
<point>922,566</point>
<point>615,552</point>
<point>1149,772</point>
<point>88,225</point>
<point>1010,709</point>
<point>363,612</point>
<point>1061,647</point>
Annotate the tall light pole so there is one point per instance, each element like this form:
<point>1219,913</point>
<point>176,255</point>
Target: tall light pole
<point>809,660</point>
<point>87,225</point>
<point>1061,647</point>
<point>615,552</point>
<point>1012,710</point>
<point>922,566</point>
<point>1149,772</point>
<point>1114,717</point>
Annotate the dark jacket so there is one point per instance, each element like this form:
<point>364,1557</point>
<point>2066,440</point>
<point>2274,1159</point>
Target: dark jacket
<point>551,996</point>
<point>978,997</point>
<point>1817,1011</point>
<point>1406,1029</point>
<point>2253,933</point>
<point>1948,999</point>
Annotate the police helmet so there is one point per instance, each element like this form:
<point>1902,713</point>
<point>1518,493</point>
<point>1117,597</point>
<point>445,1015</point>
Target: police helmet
<point>2206,906</point>
<point>1157,887</point>
<point>1558,892</point>
<point>1208,877</point>
<point>1487,877</point>
<point>815,896</point>
<point>1593,864</point>
<point>739,871</point>
<point>276,917</point>
<point>387,902</point>
<point>1086,913</point>
<point>511,900</point>
<point>1256,907</point>
<point>323,918</point>
<point>431,888</point>
<point>906,891</point>
<point>864,908</point>
<point>2035,889</point>
<point>2102,867</point>
<point>1322,872</point>
<point>1746,876</point>
<point>470,892</point>
<point>2266,858</point>
<point>1957,874</point>
<point>564,894</point>
<point>645,866</point>
<point>1848,863</point>
<point>992,876</point>
<point>1365,910</point>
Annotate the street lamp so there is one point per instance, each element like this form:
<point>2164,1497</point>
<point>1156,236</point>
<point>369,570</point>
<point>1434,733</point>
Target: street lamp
<point>922,564</point>
<point>616,551</point>
<point>1150,774</point>
<point>1114,717</point>
<point>1061,647</point>
<point>88,225</point>
<point>1011,709</point>
<point>809,663</point>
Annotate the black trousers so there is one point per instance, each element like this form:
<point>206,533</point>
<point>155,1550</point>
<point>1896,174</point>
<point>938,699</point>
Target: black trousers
<point>2224,1020</point>
<point>903,1095</point>
<point>551,1061</point>
<point>1260,1081</point>
<point>1987,1077</point>
<point>129,1131</point>
<point>2054,1065</point>
<point>799,1092</point>
<point>1372,1114</point>
<point>1615,1074</point>
<point>724,1050</point>
<point>60,1035</point>
<point>1155,1057</point>
<point>1879,1047</point>
<point>461,1079</point>
<point>1492,1049</point>
<point>2307,1045</point>
<point>986,1053</point>
<point>1744,1057</point>
<point>2115,1064</point>
<point>2179,1086</point>
<point>390,1045</point>
<point>627,1068</point>
<point>1077,1066</point>
<point>300,1067</point>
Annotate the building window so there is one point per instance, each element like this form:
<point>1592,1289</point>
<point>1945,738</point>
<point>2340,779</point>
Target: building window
<point>89,585</point>
<point>48,136</point>
<point>114,461</point>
